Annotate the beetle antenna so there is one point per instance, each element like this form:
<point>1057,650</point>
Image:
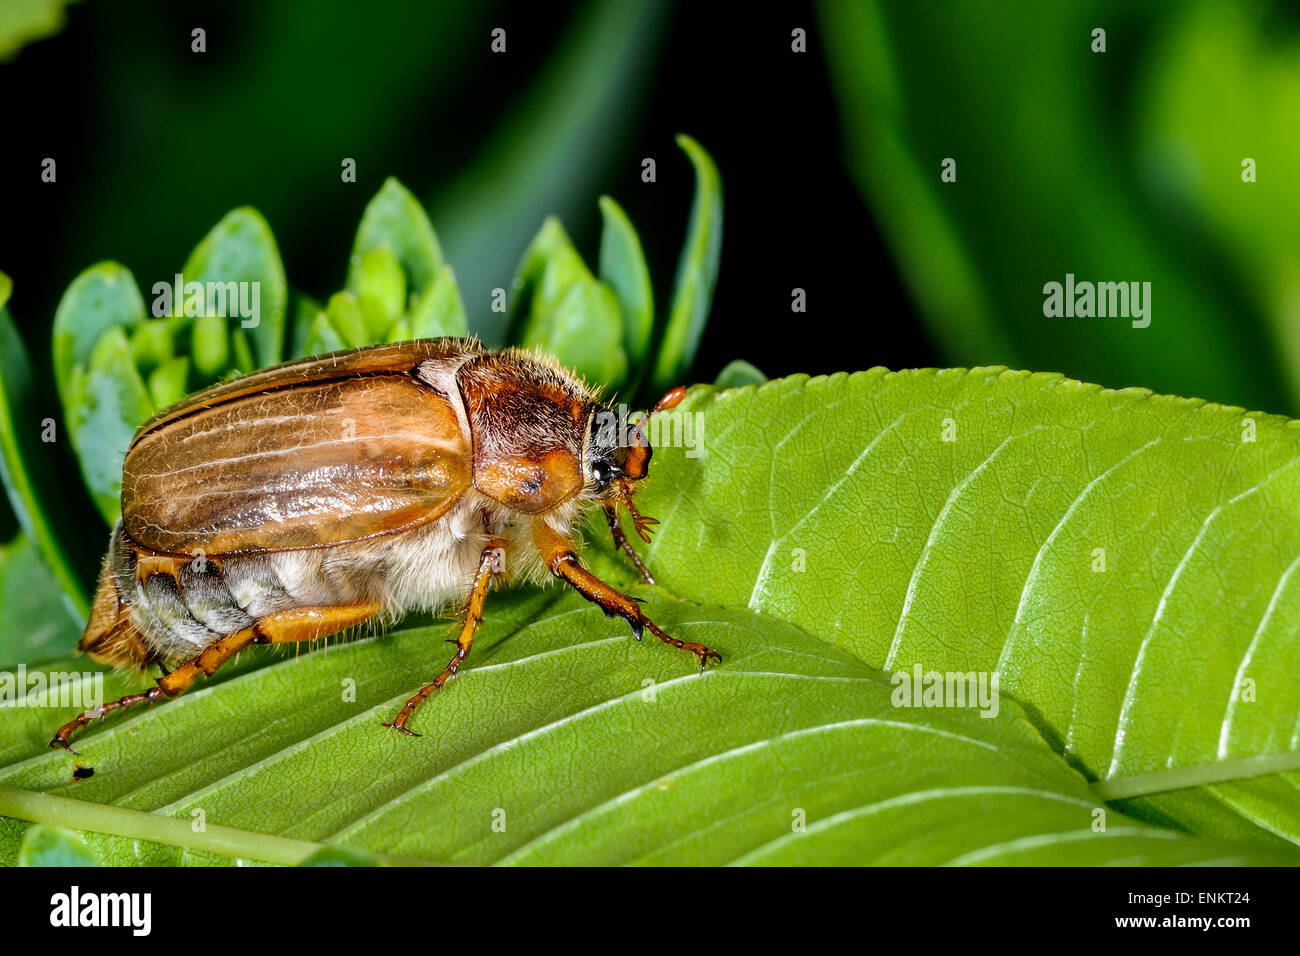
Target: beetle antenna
<point>671,400</point>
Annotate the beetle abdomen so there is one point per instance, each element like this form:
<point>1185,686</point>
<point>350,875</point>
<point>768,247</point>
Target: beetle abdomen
<point>143,614</point>
<point>151,608</point>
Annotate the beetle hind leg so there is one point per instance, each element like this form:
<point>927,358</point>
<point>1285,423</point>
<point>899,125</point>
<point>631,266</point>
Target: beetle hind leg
<point>63,736</point>
<point>171,684</point>
<point>300,624</point>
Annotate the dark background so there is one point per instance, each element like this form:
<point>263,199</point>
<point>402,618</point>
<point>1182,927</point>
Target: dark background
<point>155,143</point>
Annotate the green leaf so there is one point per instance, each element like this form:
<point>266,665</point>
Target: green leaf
<point>241,249</point>
<point>305,310</point>
<point>1127,562</point>
<point>241,354</point>
<point>549,266</point>
<point>396,257</point>
<point>401,331</point>
<point>210,345</point>
<point>33,623</point>
<point>54,846</point>
<point>563,311</point>
<point>1194,121</point>
<point>323,337</point>
<point>584,331</point>
<point>439,311</point>
<point>152,343</point>
<point>381,289</point>
<point>738,374</point>
<point>697,273</point>
<point>395,219</point>
<point>565,741</point>
<point>814,529</point>
<point>346,318</point>
<point>28,467</point>
<point>623,269</point>
<point>103,296</point>
<point>107,403</point>
<point>340,856</point>
<point>167,383</point>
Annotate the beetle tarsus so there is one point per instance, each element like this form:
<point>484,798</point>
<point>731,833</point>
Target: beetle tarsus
<point>401,728</point>
<point>64,734</point>
<point>705,654</point>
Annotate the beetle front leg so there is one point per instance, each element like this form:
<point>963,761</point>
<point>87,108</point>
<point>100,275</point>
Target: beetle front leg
<point>557,550</point>
<point>489,563</point>
<point>620,539</point>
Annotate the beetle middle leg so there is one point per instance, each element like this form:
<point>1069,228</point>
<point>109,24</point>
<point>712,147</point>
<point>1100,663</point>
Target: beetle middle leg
<point>488,565</point>
<point>558,553</point>
<point>300,624</point>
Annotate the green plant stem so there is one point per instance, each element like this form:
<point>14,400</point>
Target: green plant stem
<point>156,828</point>
<point>1182,778</point>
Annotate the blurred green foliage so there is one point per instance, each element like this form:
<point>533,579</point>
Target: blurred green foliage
<point>1223,85</point>
<point>1123,165</point>
<point>42,597</point>
<point>489,167</point>
<point>45,845</point>
<point>22,21</point>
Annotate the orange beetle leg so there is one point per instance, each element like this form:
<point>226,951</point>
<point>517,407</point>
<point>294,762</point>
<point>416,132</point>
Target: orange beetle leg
<point>557,552</point>
<point>489,564</point>
<point>302,624</point>
<point>620,539</point>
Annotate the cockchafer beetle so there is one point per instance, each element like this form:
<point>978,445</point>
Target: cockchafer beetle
<point>306,499</point>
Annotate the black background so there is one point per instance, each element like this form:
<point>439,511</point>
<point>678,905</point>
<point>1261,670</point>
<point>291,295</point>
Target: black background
<point>391,907</point>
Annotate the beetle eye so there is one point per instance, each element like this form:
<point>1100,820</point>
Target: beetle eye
<point>603,472</point>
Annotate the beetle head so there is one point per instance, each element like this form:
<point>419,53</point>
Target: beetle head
<point>616,453</point>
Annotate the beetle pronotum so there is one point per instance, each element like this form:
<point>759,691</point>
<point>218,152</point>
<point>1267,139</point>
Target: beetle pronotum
<point>306,499</point>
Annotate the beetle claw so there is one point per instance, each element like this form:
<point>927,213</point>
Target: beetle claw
<point>401,729</point>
